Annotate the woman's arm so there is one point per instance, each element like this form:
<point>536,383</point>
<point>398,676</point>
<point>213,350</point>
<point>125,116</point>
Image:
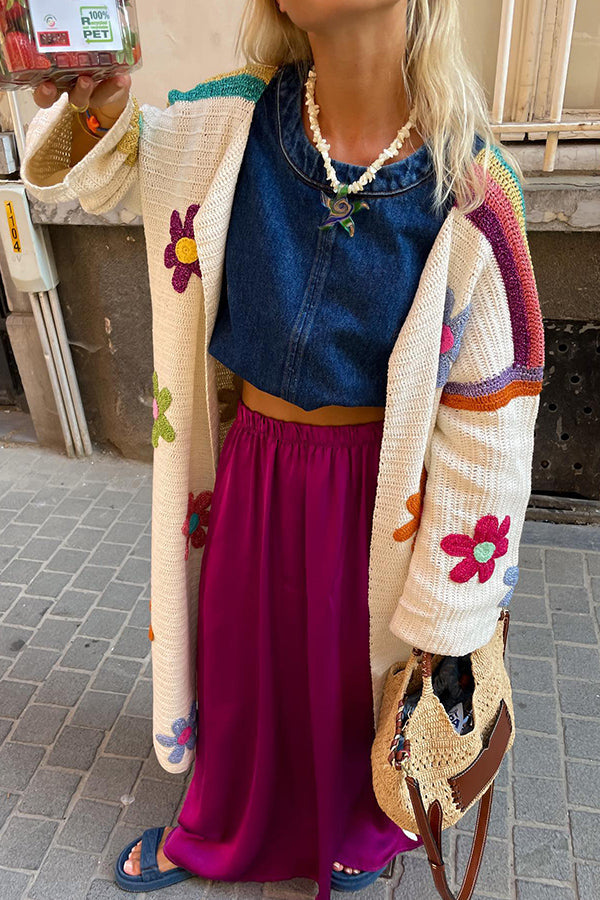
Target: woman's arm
<point>61,162</point>
<point>478,472</point>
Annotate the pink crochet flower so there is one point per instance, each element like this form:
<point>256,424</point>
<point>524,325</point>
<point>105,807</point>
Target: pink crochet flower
<point>197,517</point>
<point>182,252</point>
<point>478,552</point>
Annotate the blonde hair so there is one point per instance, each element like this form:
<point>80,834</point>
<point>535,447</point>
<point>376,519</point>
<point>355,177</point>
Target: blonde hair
<point>451,107</point>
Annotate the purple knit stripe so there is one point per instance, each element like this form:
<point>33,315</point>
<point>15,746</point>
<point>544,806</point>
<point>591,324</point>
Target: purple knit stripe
<point>487,221</point>
<point>492,385</point>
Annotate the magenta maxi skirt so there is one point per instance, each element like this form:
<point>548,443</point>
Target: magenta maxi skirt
<point>282,779</point>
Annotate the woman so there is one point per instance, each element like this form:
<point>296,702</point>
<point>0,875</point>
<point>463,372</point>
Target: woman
<point>343,312</point>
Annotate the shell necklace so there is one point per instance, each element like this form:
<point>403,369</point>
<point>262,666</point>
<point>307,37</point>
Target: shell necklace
<point>340,208</point>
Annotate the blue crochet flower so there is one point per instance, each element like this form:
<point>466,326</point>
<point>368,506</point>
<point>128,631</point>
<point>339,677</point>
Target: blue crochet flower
<point>452,331</point>
<point>184,731</point>
<point>511,576</point>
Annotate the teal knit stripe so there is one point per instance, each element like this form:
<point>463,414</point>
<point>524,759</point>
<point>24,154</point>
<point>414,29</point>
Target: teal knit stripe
<point>500,157</point>
<point>249,87</point>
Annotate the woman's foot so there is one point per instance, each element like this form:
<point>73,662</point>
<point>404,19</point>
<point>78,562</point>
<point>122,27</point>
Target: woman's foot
<point>132,864</point>
<point>340,868</point>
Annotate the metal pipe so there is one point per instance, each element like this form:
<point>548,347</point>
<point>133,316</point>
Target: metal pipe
<point>65,348</point>
<point>60,371</point>
<point>60,407</point>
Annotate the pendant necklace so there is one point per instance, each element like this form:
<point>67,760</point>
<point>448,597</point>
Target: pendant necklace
<point>341,208</point>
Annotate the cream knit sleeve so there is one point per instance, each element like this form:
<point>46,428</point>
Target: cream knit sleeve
<point>476,481</point>
<point>106,176</point>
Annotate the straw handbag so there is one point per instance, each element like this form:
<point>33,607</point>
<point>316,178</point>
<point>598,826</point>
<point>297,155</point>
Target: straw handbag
<point>438,774</point>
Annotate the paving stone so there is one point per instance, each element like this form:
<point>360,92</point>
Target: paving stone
<point>531,610</point>
<point>98,709</point>
<point>93,578</point>
<point>539,800</point>
<point>578,662</point>
<point>39,724</point>
<point>136,571</point>
<point>12,640</point>
<point>542,853</point>
<point>495,868</point>
<point>143,547</point>
<point>535,713</point>
<point>33,514</point>
<point>75,748</point>
<point>122,533</point>
<point>87,489</point>
<point>85,538</point>
<point>25,841</point>
<point>74,604</point>
<point>140,702</point>
<point>57,526</point>
<point>50,495</point>
<point>73,506</point>
<point>54,634</point>
<point>8,594</point>
<point>62,688</point>
<point>571,599</point>
<point>40,549</point>
<point>579,698</point>
<point>155,803</point>
<point>13,884</point>
<point>532,890</point>
<point>140,614</point>
<point>593,563</point>
<point>563,567</point>
<point>133,642</point>
<point>17,535</point>
<point>588,879</point>
<point>28,611</point>
<point>531,640</point>
<point>583,784</point>
<point>19,571</point>
<point>114,499</point>
<point>49,793</point>
<point>33,664</point>
<point>89,826</point>
<point>15,499</point>
<point>529,557</point>
<point>14,697</point>
<point>85,653</point>
<point>595,582</point>
<point>120,596</point>
<point>531,582</point>
<point>533,754</point>
<point>117,675</point>
<point>107,554</point>
<point>18,762</point>
<point>65,873</point>
<point>582,738</point>
<point>7,804</point>
<point>49,584</point>
<point>111,778</point>
<point>5,727</point>
<point>138,513</point>
<point>585,827</point>
<point>67,561</point>
<point>576,629</point>
<point>103,623</point>
<point>131,736</point>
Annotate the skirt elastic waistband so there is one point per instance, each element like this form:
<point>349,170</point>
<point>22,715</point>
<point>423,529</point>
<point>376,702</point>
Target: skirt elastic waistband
<point>305,433</point>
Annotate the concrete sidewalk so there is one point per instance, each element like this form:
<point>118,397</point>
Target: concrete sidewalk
<point>78,777</point>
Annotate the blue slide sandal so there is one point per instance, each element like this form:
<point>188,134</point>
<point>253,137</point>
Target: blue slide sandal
<point>151,878</point>
<point>345,881</point>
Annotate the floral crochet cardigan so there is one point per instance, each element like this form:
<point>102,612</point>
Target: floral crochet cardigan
<point>463,386</point>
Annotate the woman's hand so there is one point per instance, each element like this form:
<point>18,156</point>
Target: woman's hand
<point>106,99</point>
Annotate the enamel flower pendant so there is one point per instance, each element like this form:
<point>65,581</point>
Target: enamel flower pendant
<point>341,209</point>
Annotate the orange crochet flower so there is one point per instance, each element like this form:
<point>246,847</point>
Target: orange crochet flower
<point>414,505</point>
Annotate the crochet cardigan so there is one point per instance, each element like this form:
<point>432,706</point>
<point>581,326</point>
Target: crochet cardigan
<point>463,384</point>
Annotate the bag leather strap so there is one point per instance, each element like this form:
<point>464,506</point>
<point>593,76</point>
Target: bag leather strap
<point>430,828</point>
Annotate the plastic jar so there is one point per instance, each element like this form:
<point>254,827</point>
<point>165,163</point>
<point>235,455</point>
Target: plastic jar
<point>57,40</point>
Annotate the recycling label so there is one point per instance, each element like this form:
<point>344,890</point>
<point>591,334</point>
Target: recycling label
<point>72,25</point>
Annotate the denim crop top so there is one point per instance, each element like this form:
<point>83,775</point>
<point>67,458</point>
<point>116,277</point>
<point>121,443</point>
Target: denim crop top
<point>307,315</point>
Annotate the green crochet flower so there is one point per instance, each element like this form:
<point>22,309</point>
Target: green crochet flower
<point>162,401</point>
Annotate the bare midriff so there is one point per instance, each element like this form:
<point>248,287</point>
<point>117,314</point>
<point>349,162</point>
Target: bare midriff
<point>277,408</point>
